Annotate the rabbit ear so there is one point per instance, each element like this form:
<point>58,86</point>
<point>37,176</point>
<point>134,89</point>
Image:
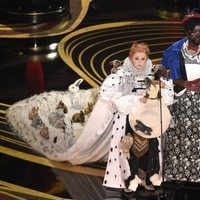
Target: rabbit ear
<point>78,82</point>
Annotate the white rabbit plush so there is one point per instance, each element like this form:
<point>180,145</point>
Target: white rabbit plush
<point>75,96</point>
<point>73,88</point>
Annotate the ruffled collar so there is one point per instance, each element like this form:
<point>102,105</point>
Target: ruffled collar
<point>190,53</point>
<point>130,70</point>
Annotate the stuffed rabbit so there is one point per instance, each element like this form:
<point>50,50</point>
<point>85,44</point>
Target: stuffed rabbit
<point>75,96</point>
<point>115,65</point>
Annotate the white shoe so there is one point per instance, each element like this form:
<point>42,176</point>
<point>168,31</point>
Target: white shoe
<point>134,183</point>
<point>156,180</point>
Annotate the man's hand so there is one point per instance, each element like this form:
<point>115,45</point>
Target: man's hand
<point>192,85</point>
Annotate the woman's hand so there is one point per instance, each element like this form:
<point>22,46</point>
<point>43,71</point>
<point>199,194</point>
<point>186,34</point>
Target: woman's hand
<point>143,100</point>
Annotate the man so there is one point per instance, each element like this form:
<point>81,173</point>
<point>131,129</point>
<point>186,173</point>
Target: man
<point>182,158</point>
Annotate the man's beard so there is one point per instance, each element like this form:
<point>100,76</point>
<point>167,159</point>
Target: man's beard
<point>195,41</point>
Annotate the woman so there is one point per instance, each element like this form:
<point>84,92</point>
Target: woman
<point>76,125</point>
<point>182,159</point>
<point>128,98</point>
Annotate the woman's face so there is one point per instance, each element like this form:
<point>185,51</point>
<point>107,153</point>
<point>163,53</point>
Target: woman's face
<point>139,59</point>
<point>194,36</point>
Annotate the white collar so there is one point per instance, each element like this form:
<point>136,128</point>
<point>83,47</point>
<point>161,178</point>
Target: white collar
<point>130,70</point>
<point>190,54</point>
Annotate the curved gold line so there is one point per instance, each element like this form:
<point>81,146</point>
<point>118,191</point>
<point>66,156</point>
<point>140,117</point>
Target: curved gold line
<point>80,31</point>
<point>102,51</point>
<point>16,142</point>
<point>23,190</point>
<point>91,34</point>
<point>9,132</point>
<point>87,75</point>
<point>103,63</point>
<point>10,195</point>
<point>93,68</point>
<point>156,60</point>
<point>68,60</point>
<point>58,165</point>
<point>104,60</point>
<point>4,104</point>
<point>82,66</point>
<point>70,56</point>
<point>103,67</point>
<point>3,111</point>
<point>121,24</point>
<point>22,27</point>
<point>102,26</point>
<point>84,5</point>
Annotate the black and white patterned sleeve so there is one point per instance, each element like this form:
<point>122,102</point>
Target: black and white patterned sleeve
<point>110,88</point>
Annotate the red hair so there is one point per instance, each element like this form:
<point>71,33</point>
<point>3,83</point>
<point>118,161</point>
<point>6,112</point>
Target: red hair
<point>139,47</point>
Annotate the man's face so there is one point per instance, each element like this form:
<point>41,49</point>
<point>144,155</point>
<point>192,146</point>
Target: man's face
<point>194,36</point>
